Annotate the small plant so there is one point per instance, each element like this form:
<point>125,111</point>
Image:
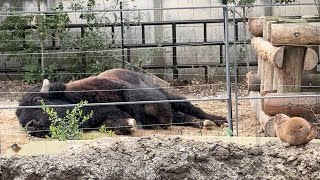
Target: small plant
<point>67,128</point>
<point>103,129</point>
<point>110,133</point>
<point>33,72</point>
<point>229,132</point>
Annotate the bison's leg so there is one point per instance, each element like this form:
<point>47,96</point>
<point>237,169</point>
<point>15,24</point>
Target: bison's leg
<point>190,109</point>
<point>150,115</point>
<point>181,119</point>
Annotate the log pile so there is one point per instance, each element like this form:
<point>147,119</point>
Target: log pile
<point>286,65</point>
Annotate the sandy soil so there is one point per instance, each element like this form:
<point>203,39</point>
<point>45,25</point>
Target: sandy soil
<point>10,131</point>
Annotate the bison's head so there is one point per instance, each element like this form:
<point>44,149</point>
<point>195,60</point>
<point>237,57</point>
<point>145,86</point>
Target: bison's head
<point>35,119</point>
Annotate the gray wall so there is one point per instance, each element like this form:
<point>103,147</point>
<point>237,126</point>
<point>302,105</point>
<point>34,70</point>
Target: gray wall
<point>185,33</point>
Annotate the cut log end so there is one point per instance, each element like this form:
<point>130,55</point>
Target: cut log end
<point>253,81</point>
<point>255,26</point>
<point>310,59</point>
<point>267,51</point>
<point>277,57</point>
<point>269,128</point>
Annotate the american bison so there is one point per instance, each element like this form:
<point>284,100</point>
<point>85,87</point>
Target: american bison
<point>116,85</point>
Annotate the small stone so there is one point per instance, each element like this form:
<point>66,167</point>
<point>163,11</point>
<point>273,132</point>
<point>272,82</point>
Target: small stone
<point>291,158</point>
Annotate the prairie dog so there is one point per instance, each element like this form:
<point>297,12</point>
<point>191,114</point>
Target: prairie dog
<point>295,130</point>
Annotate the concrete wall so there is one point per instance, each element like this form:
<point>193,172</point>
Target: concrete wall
<point>185,33</point>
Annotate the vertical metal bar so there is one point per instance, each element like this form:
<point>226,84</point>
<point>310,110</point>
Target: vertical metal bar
<point>206,74</point>
<point>221,54</point>
<point>112,35</point>
<point>174,51</point>
<point>53,39</point>
<point>205,32</point>
<point>129,55</point>
<point>227,61</point>
<point>24,38</point>
<point>143,33</point>
<point>122,32</point>
<point>83,59</point>
<point>236,24</point>
<point>235,31</point>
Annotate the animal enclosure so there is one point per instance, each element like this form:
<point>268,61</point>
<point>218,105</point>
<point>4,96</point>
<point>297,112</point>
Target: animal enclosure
<point>197,62</point>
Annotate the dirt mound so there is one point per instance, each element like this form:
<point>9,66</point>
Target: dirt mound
<point>168,158</point>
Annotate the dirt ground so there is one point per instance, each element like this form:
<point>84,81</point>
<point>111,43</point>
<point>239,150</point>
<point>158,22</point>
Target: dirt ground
<point>155,157</point>
<point>11,133</point>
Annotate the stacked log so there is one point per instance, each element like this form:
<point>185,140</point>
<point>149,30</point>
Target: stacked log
<point>285,64</point>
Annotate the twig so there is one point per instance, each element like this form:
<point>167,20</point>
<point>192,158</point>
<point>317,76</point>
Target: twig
<point>317,119</point>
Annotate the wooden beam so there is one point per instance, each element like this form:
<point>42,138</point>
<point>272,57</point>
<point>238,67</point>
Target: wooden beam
<point>267,51</point>
<point>308,81</point>
<point>292,106</point>
<point>298,34</point>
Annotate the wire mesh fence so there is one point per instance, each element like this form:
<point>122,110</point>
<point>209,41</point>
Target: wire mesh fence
<point>202,50</point>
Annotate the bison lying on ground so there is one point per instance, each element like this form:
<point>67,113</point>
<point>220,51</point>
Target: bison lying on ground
<point>116,85</point>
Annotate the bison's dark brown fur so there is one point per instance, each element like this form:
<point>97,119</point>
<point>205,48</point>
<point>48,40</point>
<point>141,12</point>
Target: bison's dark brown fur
<point>116,85</point>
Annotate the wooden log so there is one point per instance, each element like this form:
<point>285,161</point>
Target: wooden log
<point>310,59</point>
<point>268,79</point>
<point>262,71</point>
<point>266,51</point>
<point>290,75</point>
<point>268,35</point>
<point>255,25</point>
<point>292,106</point>
<point>308,80</point>
<point>266,122</point>
<point>275,79</point>
<point>295,34</point>
<point>268,68</point>
<point>253,81</point>
<point>315,69</point>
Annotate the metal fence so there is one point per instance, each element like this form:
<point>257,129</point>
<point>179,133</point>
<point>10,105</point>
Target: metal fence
<point>127,48</point>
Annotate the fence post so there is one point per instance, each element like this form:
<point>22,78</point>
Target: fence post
<point>227,61</point>
<point>122,32</point>
<point>235,69</point>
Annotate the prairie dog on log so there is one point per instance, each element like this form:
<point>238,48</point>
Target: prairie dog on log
<point>295,131</point>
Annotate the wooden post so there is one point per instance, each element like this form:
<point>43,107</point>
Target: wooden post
<point>262,63</point>
<point>275,79</point>
<point>268,35</point>
<point>289,76</point>
<point>266,121</point>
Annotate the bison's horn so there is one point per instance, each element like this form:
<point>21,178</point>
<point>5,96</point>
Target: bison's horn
<point>45,86</point>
